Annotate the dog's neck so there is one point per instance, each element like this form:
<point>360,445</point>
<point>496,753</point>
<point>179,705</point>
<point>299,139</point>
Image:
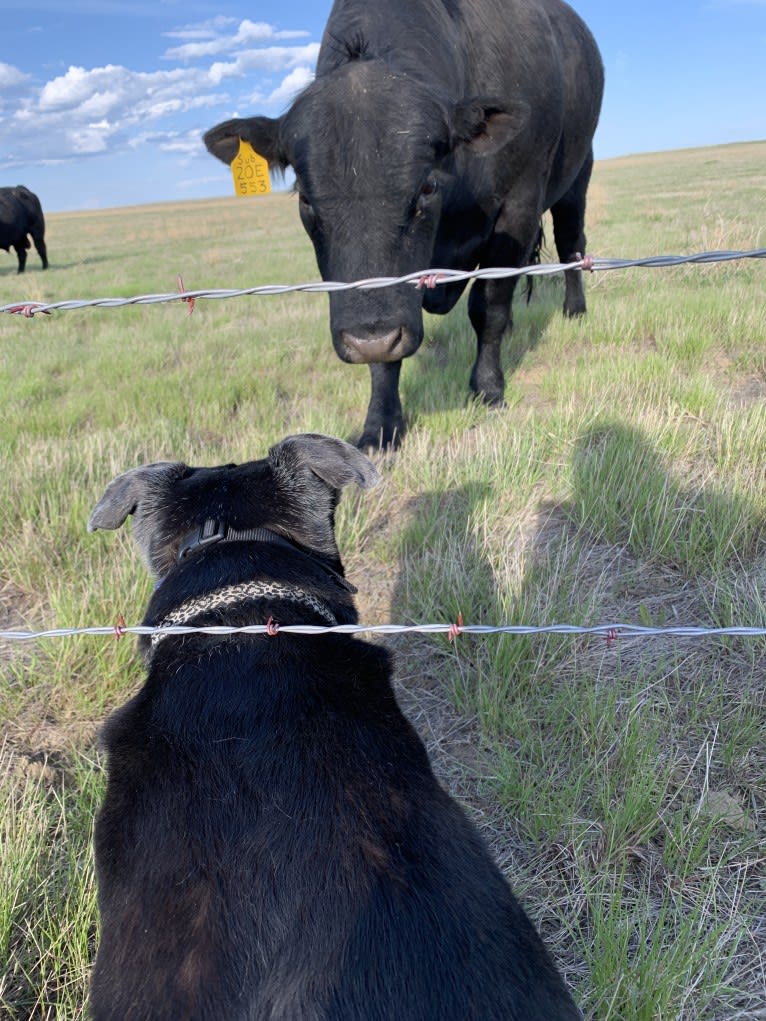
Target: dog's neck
<point>236,596</point>
<point>215,530</point>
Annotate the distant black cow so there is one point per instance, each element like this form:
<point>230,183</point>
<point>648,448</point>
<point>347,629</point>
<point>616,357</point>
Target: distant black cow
<point>435,134</point>
<point>21,214</point>
<point>273,845</point>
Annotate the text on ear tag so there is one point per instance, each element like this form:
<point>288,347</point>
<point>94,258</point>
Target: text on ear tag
<point>250,171</point>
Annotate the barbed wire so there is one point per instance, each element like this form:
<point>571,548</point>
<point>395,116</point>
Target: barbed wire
<point>422,279</point>
<point>611,632</point>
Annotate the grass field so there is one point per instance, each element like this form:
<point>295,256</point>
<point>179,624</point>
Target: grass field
<point>622,785</point>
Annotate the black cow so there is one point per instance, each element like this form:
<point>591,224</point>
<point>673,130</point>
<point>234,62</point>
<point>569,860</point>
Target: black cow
<point>435,134</point>
<point>21,214</point>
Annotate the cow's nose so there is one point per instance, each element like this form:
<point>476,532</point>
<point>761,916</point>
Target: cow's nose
<point>380,347</point>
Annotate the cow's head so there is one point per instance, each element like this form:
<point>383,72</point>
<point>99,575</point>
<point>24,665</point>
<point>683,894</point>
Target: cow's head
<point>377,159</point>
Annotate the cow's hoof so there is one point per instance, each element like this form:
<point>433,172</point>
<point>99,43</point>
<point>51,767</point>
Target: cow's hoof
<point>574,311</point>
<point>498,404</point>
<point>491,396</point>
<point>487,383</point>
<point>380,441</point>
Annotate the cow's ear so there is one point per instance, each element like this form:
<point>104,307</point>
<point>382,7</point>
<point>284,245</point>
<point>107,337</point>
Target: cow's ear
<point>484,125</point>
<point>263,133</point>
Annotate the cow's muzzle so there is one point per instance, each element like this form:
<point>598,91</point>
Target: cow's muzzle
<point>380,347</point>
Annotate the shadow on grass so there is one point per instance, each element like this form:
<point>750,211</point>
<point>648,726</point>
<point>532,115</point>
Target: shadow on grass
<point>630,532</point>
<point>624,492</point>
<point>91,260</point>
<point>11,271</point>
<point>598,778</point>
<point>447,570</point>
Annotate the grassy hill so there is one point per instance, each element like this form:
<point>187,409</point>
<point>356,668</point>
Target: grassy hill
<point>620,784</point>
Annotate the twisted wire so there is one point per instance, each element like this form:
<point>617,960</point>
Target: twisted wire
<point>608,631</point>
<point>423,278</point>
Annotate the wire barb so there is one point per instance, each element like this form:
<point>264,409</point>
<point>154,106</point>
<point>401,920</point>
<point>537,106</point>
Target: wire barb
<point>428,280</point>
<point>455,629</point>
<point>190,301</point>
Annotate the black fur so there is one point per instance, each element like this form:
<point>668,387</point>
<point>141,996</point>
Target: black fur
<point>273,845</point>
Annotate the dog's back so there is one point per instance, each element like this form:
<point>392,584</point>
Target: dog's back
<point>273,844</point>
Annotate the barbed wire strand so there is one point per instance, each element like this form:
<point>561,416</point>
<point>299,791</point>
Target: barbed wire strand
<point>424,278</point>
<point>607,631</point>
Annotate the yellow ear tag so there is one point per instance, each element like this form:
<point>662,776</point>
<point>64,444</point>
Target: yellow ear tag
<point>250,171</point>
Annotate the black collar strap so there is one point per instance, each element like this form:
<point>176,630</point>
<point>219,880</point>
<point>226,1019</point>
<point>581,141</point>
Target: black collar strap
<point>212,531</point>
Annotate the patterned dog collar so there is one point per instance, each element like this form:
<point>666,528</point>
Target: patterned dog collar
<point>231,595</point>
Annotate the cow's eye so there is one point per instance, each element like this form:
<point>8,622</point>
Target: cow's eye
<point>428,192</point>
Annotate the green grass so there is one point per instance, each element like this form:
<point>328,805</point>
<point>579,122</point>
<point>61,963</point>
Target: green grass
<point>621,784</point>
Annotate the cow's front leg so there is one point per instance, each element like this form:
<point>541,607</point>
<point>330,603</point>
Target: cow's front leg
<point>384,426</point>
<point>489,303</point>
<point>489,309</point>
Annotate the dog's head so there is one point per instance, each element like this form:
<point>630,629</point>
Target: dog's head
<point>293,492</point>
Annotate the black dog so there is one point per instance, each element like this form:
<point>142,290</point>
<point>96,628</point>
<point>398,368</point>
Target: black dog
<point>273,845</point>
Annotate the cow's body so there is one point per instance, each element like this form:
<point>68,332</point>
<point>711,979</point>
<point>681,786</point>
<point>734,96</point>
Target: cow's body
<point>435,134</point>
<point>20,215</point>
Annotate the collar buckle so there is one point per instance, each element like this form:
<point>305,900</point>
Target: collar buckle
<point>209,531</point>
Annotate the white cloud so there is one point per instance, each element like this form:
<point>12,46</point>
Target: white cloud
<point>132,95</point>
<point>203,29</point>
<point>247,34</point>
<point>85,111</point>
<point>10,76</point>
<point>189,144</point>
<point>268,59</point>
<point>78,86</point>
<point>100,104</point>
<point>294,83</point>
<point>186,144</point>
<point>91,138</point>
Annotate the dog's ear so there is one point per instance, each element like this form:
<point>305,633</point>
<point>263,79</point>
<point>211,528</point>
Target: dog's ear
<point>124,493</point>
<point>309,471</point>
<point>334,461</point>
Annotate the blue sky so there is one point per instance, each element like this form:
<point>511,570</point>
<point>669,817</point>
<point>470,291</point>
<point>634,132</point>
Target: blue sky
<point>103,103</point>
